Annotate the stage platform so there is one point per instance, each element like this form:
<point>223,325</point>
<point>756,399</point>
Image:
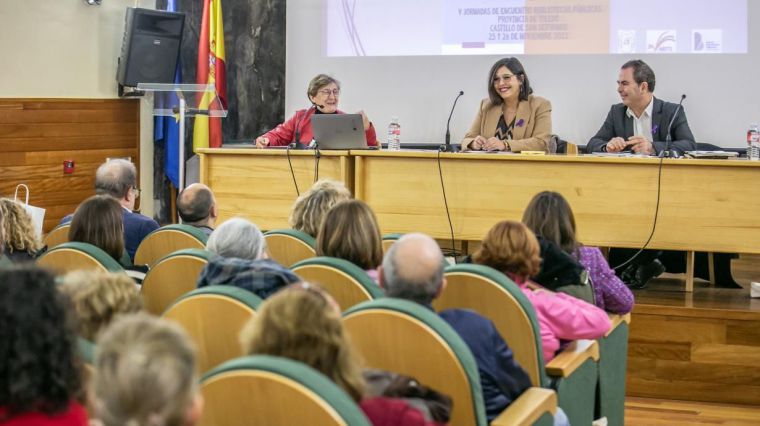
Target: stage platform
<point>700,346</point>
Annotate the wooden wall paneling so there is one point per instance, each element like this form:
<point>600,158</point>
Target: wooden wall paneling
<point>37,135</point>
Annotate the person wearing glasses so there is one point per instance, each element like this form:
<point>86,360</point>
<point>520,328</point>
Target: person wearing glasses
<point>118,178</point>
<point>324,94</point>
<point>511,118</point>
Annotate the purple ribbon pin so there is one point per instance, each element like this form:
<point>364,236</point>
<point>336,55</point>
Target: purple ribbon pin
<point>520,122</point>
<point>654,129</point>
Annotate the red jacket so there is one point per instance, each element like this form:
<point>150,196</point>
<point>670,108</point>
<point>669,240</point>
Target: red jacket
<point>75,415</point>
<point>285,132</point>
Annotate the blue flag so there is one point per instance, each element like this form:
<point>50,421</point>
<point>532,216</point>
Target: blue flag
<point>166,128</point>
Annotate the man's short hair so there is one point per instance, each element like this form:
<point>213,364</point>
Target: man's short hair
<point>641,73</point>
<point>195,209</point>
<point>115,178</point>
<point>238,238</point>
<point>421,289</point>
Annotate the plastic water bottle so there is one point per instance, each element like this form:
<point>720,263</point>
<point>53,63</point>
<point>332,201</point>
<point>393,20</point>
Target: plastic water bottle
<point>394,135</point>
<point>753,142</point>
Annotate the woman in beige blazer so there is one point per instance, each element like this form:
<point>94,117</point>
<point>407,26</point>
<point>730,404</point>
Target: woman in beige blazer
<point>511,118</point>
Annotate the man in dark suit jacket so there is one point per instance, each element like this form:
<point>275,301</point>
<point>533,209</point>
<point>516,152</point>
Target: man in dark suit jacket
<point>118,178</point>
<point>640,123</point>
<point>413,270</point>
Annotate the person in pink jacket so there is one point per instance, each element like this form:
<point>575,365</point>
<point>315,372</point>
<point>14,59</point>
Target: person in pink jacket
<point>323,93</point>
<point>512,248</point>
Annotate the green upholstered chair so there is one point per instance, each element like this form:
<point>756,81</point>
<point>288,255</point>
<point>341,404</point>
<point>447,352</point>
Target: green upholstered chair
<point>288,246</point>
<point>613,360</point>
<point>213,317</point>
<point>404,337</point>
<point>171,277</point>
<point>347,283</point>
<point>58,235</point>
<point>573,373</point>
<point>272,391</point>
<point>388,240</point>
<point>72,256</point>
<point>166,240</point>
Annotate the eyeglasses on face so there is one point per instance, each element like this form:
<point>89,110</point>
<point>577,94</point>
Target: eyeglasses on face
<point>137,191</point>
<point>505,78</point>
<point>328,92</point>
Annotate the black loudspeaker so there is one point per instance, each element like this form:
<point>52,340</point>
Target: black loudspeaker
<point>150,49</point>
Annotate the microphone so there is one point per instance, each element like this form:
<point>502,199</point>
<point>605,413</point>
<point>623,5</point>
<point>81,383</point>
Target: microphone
<point>297,141</point>
<point>667,153</point>
<point>447,146</point>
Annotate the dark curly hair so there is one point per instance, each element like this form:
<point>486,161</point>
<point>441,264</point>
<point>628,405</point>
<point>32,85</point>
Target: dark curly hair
<point>40,368</point>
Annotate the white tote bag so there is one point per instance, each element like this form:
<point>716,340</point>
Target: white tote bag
<point>37,213</point>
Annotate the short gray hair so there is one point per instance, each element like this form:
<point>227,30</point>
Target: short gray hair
<point>115,178</point>
<point>403,280</point>
<point>239,238</point>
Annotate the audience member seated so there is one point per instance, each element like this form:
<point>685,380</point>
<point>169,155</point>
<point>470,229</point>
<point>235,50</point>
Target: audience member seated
<point>22,244</point>
<point>242,260</point>
<point>98,298</point>
<point>511,248</point>
<point>349,231</point>
<point>40,371</point>
<point>549,215</point>
<point>98,221</point>
<point>311,206</point>
<point>303,323</point>
<point>4,261</point>
<point>413,270</point>
<point>196,206</point>
<point>118,178</point>
<point>145,374</point>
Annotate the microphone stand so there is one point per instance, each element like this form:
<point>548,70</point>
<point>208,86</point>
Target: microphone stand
<point>447,147</point>
<point>667,153</point>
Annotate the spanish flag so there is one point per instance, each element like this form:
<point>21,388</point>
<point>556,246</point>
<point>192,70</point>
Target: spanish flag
<point>207,131</point>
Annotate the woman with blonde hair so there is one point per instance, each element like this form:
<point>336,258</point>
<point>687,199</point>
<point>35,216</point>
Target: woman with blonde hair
<point>311,206</point>
<point>98,298</point>
<point>303,323</point>
<point>22,244</point>
<point>145,375</point>
<point>349,231</point>
<point>511,248</point>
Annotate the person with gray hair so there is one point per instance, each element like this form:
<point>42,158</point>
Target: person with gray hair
<point>118,178</point>
<point>241,260</point>
<point>196,206</point>
<point>413,270</point>
<point>324,95</point>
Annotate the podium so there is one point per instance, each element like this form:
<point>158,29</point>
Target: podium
<point>182,101</point>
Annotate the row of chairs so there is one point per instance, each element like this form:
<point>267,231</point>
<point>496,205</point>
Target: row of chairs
<point>285,392</point>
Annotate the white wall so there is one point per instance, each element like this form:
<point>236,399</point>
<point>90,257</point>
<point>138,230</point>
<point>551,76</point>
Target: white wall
<point>67,49</point>
<point>723,93</point>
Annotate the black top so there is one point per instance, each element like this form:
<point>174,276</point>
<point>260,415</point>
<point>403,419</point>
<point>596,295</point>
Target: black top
<point>503,131</point>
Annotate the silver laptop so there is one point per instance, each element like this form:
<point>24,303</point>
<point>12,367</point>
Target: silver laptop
<point>339,131</point>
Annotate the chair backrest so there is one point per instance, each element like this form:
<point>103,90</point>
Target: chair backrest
<point>58,235</point>
<point>288,246</point>
<point>388,240</point>
<point>493,295</point>
<point>167,240</point>
<point>72,256</point>
<point>272,391</point>
<point>347,283</point>
<point>213,317</point>
<point>171,277</point>
<point>407,338</point>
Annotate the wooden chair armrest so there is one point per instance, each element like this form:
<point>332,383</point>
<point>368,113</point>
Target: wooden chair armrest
<point>567,361</point>
<point>616,320</point>
<point>528,408</point>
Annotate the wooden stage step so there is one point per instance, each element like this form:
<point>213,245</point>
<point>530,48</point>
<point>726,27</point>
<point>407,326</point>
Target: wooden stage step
<point>655,412</point>
<point>701,346</point>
